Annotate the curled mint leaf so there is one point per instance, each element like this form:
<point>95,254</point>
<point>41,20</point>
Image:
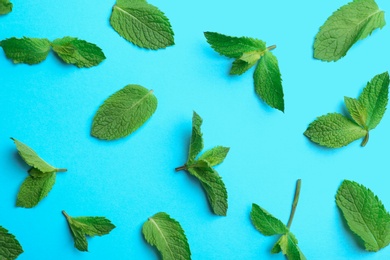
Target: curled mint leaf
<point>168,236</point>
<point>142,24</point>
<point>202,169</point>
<point>81,227</point>
<point>124,112</point>
<point>351,23</point>
<point>365,214</point>
<point>10,248</point>
<point>5,7</point>
<point>248,52</point>
<point>78,52</point>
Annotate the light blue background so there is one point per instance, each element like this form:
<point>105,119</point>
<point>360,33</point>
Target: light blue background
<point>50,107</point>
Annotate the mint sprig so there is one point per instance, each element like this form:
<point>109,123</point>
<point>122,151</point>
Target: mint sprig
<point>202,169</point>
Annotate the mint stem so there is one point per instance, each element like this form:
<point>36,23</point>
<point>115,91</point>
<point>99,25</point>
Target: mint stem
<point>64,213</point>
<point>181,168</point>
<point>295,203</point>
<point>365,140</point>
<point>62,170</point>
<point>270,48</point>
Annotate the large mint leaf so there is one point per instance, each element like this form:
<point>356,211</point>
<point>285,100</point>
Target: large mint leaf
<point>10,248</point>
<point>26,50</point>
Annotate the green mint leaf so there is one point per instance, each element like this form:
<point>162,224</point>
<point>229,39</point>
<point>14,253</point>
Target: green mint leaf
<point>352,22</point>
<point>334,130</point>
<point>196,142</point>
<point>34,188</point>
<point>142,24</point>
<point>234,47</point>
<point>268,81</point>
<point>26,50</point>
<point>357,110</point>
<point>239,67</point>
<point>288,245</point>
<point>5,6</point>
<point>78,52</point>
<point>215,155</point>
<point>267,224</point>
<point>33,159</point>
<point>124,112</point>
<point>212,184</point>
<point>374,99</point>
<point>365,214</point>
<point>10,248</point>
<point>81,227</point>
<point>168,236</point>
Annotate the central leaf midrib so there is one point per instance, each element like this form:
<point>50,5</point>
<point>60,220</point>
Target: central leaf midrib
<point>162,234</point>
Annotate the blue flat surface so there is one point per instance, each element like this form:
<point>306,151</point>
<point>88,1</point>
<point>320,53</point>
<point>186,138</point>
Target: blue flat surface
<point>50,107</point>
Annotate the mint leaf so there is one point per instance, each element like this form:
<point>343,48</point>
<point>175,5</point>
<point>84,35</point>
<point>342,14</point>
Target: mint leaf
<point>142,24</point>
<point>26,50</point>
<point>248,52</point>
<point>212,184</point>
<point>196,143</point>
<point>10,248</point>
<point>81,227</point>
<point>33,159</point>
<point>124,112</point>
<point>365,214</point>
<point>5,6</point>
<point>78,52</point>
<point>374,99</point>
<point>168,236</point>
<point>202,169</point>
<point>34,188</point>
<point>215,155</point>
<point>352,22</point>
<point>357,110</point>
<point>334,131</point>
<point>268,81</point>
<point>267,224</point>
<point>233,47</point>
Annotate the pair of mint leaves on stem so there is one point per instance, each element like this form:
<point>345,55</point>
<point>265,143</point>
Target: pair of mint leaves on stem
<point>142,24</point>
<point>202,168</point>
<point>35,50</point>
<point>365,214</point>
<point>10,247</point>
<point>268,225</point>
<point>247,52</point>
<point>5,7</point>
<point>335,130</point>
<point>351,23</point>
<point>41,177</point>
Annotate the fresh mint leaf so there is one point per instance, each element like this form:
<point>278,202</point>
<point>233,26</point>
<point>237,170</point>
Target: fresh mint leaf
<point>142,24</point>
<point>335,130</point>
<point>268,81</point>
<point>5,7</point>
<point>168,236</point>
<point>215,155</point>
<point>374,98</point>
<point>34,188</point>
<point>124,112</point>
<point>268,225</point>
<point>33,159</point>
<point>365,214</point>
<point>248,52</point>
<point>202,169</point>
<point>26,50</point>
<point>352,22</point>
<point>10,248</point>
<point>78,52</point>
<point>81,227</point>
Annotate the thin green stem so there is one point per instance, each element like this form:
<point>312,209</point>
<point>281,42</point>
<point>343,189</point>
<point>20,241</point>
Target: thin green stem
<point>62,170</point>
<point>295,203</point>
<point>64,213</point>
<point>365,140</point>
<point>270,48</point>
<point>181,168</point>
